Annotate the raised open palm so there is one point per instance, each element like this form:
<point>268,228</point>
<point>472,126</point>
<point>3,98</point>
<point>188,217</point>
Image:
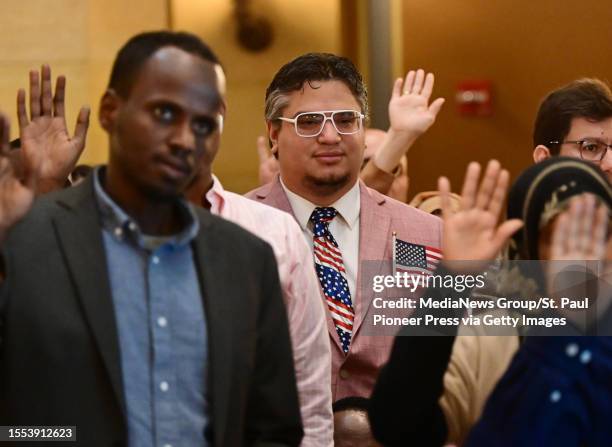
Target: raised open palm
<point>409,108</point>
<point>45,140</point>
<point>579,266</point>
<point>580,232</point>
<point>16,194</point>
<point>472,233</point>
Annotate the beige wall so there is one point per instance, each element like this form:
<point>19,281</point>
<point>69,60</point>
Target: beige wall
<point>526,48</point>
<point>299,26</point>
<point>78,38</point>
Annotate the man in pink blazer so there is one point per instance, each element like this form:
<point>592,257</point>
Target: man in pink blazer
<point>315,108</point>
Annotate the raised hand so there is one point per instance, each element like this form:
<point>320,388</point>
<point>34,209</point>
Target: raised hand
<point>45,140</point>
<point>16,194</point>
<point>579,236</point>
<point>268,165</point>
<point>580,232</point>
<point>472,233</point>
<point>409,108</point>
<point>410,115</point>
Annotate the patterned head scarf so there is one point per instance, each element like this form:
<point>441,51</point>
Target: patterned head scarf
<point>542,191</point>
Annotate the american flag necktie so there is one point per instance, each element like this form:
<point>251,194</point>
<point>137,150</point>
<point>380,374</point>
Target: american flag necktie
<point>331,273</point>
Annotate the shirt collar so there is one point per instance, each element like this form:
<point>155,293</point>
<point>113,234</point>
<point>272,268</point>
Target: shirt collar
<point>116,221</point>
<point>216,196</point>
<point>348,206</point>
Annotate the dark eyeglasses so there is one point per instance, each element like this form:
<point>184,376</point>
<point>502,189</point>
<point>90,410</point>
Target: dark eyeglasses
<point>590,150</point>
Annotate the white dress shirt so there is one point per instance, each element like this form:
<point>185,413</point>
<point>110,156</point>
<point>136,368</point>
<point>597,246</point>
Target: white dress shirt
<point>344,228</point>
<point>303,301</point>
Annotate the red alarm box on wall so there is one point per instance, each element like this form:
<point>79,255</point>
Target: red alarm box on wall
<point>474,98</point>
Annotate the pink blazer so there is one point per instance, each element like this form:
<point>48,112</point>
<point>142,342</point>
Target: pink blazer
<point>354,374</point>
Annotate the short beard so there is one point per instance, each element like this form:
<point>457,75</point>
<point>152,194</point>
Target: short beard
<point>325,186</point>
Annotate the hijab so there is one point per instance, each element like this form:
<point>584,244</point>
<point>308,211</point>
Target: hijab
<point>543,191</point>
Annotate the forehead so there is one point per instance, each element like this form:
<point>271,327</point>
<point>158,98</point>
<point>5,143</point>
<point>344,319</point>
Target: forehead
<point>175,75</point>
<point>584,127</point>
<point>321,95</point>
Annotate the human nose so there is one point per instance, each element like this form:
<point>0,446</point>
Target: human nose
<point>182,137</point>
<point>606,161</point>
<point>329,133</point>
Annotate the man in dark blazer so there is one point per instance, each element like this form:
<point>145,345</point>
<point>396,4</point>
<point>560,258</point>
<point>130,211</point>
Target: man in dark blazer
<point>125,312</point>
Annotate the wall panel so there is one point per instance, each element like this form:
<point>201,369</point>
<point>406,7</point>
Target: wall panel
<point>300,26</point>
<point>78,38</point>
<point>526,48</point>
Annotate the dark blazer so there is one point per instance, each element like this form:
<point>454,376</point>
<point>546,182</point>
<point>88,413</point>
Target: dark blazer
<point>59,357</point>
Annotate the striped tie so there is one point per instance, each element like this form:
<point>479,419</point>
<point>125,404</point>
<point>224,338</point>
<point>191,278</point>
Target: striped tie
<point>330,270</point>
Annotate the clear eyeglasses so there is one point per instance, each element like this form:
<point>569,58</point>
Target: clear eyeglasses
<point>590,150</point>
<point>311,124</point>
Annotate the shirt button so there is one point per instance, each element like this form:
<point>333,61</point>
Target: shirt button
<point>132,227</point>
<point>344,374</point>
<point>571,349</point>
<point>585,356</point>
<point>162,322</point>
<point>555,396</point>
<point>155,260</point>
<point>164,386</point>
<point>118,232</point>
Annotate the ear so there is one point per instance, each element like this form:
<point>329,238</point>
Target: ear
<point>273,130</point>
<point>541,153</point>
<point>108,110</point>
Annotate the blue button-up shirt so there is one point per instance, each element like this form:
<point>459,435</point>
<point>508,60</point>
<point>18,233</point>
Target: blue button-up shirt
<point>161,327</point>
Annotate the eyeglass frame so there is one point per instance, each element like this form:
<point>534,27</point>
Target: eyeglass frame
<point>579,143</point>
<point>326,118</point>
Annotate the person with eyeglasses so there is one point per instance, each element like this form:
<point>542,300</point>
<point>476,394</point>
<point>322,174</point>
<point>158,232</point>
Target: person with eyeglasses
<point>385,161</point>
<point>315,110</point>
<point>576,121</point>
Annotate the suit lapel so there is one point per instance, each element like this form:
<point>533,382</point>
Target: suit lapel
<point>274,195</point>
<point>80,238</point>
<point>374,245</point>
<point>220,314</point>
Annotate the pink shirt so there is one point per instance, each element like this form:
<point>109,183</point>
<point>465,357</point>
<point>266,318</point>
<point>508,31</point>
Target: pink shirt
<point>305,307</point>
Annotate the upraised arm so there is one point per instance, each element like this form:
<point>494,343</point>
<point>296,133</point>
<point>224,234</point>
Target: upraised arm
<point>16,192</point>
<point>45,140</point>
<point>580,231</point>
<point>473,233</point>
<point>579,261</point>
<point>410,115</point>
